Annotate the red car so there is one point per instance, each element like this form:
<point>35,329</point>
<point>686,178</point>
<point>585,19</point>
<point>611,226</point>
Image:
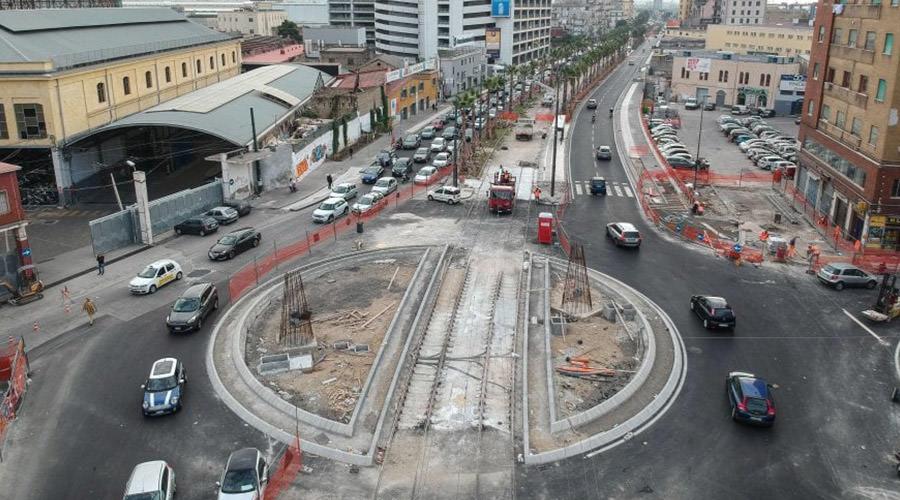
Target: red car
<point>438,124</point>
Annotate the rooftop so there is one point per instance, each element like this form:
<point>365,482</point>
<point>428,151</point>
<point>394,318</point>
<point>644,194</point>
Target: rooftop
<point>100,34</point>
<point>367,79</point>
<point>6,168</point>
<point>724,55</point>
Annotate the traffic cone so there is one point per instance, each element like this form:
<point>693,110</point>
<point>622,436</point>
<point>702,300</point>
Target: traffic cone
<point>35,327</point>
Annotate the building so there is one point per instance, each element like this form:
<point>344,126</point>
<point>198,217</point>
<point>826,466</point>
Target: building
<point>586,17</point>
<point>305,12</point>
<point>329,36</point>
<point>262,20</point>
<point>695,13</point>
<point>462,68</point>
<point>57,4</point>
<point>743,12</point>
<point>349,58</point>
<point>410,90</point>
<point>787,13</point>
<point>354,13</point>
<point>15,250</point>
<point>762,39</point>
<point>266,50</point>
<point>515,33</point>
<point>192,7</point>
<point>127,60</point>
<point>731,79</point>
<point>850,162</point>
<point>684,10</point>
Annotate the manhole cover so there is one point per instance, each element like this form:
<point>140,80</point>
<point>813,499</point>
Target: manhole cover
<point>196,273</point>
<point>49,222</point>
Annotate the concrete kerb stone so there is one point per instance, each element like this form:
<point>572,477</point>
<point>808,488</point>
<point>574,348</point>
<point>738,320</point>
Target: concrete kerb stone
<point>253,419</point>
<point>548,364</point>
<point>388,400</point>
<point>526,435</point>
<point>630,388</point>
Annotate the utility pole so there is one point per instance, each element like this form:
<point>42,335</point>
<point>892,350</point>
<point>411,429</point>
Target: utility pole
<point>256,180</point>
<point>555,132</point>
<point>699,135</point>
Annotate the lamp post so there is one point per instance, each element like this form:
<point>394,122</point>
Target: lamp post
<point>699,134</point>
<point>555,131</point>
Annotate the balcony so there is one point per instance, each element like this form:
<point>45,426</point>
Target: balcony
<point>846,95</point>
<point>840,135</point>
<point>862,11</point>
<point>853,53</point>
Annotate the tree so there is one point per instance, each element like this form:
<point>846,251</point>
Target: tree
<point>385,116</point>
<point>372,120</point>
<point>335,139</point>
<point>344,131</point>
<point>289,29</point>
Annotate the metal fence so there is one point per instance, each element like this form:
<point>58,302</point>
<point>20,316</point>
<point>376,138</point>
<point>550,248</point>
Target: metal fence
<point>114,231</point>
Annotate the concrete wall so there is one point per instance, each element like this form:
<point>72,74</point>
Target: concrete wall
<point>114,231</point>
<point>169,210</point>
<point>781,40</point>
<point>335,35</point>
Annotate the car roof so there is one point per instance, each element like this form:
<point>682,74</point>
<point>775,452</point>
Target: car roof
<point>753,387</point>
<point>242,459</point>
<point>164,367</point>
<point>603,147</point>
<point>334,199</point>
<point>626,226</point>
<point>145,477</point>
<point>195,291</point>
<point>161,262</point>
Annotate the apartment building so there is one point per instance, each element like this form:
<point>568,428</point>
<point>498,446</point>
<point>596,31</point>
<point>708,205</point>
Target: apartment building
<point>354,13</point>
<point>760,39</point>
<point>743,12</point>
<point>850,161</point>
<point>261,20</point>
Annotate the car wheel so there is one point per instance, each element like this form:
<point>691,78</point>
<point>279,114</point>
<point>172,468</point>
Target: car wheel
<point>216,303</point>
<point>733,413</point>
<point>839,286</point>
<point>870,285</point>
<point>231,255</point>
<point>256,242</point>
<point>178,231</point>
<point>706,324</point>
<point>152,289</point>
<point>179,276</point>
<point>451,202</point>
<point>430,198</point>
<point>692,305</point>
<point>202,232</point>
<point>199,324</point>
<point>330,218</point>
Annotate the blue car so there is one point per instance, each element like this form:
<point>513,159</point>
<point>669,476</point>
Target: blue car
<point>164,389</point>
<point>598,185</point>
<point>371,174</point>
<point>750,398</point>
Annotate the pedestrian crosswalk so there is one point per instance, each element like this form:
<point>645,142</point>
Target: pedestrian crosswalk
<point>622,189</point>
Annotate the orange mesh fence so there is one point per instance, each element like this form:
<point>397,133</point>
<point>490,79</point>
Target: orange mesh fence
<point>286,469</point>
<point>13,369</point>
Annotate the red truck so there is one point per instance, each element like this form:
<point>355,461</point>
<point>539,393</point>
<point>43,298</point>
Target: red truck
<point>502,194</point>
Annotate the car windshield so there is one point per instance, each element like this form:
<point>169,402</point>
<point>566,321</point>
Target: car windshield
<point>366,200</point>
<point>722,312</point>
<point>239,481</point>
<point>757,405</point>
<point>411,138</point>
<point>327,206</point>
<point>383,183</point>
<point>502,195</point>
<point>153,495</point>
<point>186,304</point>
<point>371,170</point>
<point>162,384</point>
<point>341,189</point>
<point>148,272</point>
<point>228,240</point>
<point>421,151</point>
<point>426,172</point>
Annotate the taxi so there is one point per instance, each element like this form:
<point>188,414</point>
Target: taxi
<point>154,276</point>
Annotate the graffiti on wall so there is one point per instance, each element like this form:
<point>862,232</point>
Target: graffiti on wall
<point>310,157</point>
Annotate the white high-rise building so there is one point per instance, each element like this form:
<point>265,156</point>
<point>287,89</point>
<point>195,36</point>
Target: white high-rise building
<point>355,13</point>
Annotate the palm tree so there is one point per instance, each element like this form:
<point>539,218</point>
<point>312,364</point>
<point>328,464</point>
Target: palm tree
<point>512,71</point>
<point>461,101</point>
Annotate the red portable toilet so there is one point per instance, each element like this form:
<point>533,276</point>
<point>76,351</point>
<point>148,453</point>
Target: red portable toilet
<point>545,228</point>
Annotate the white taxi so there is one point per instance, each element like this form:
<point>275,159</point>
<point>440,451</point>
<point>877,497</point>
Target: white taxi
<point>154,276</point>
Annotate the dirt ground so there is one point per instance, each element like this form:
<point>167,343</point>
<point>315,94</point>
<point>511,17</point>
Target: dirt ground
<point>342,302</point>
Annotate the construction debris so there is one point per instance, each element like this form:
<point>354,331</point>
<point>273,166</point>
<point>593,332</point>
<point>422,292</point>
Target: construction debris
<point>581,367</point>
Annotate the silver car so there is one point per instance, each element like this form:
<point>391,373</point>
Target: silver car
<point>839,275</point>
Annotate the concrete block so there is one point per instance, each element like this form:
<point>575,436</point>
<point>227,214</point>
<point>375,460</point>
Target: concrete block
<point>628,312</point>
<point>609,312</point>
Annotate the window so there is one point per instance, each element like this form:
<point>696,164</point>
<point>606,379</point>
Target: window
<point>687,74</point>
<point>762,79</point>
<point>839,119</point>
<point>845,80</point>
<point>836,36</point>
<point>863,84</point>
<point>851,39</point>
<point>101,92</point>
<point>184,70</point>
<point>873,136</point>
<point>811,110</point>
<point>403,92</point>
<point>126,86</point>
<point>421,86</point>
<point>870,40</point>
<point>4,132</point>
<point>212,62</point>
<point>826,112</point>
<point>816,71</point>
<point>199,68</point>
<point>148,79</point>
<point>829,76</point>
<point>4,202</point>
<point>881,91</point>
<point>888,44</point>
<point>895,189</point>
<point>726,76</point>
<point>682,72</point>
<point>821,34</point>
<point>768,79</point>
<point>30,120</point>
<point>720,75</point>
<point>168,72</point>
<point>233,57</point>
<point>856,127</point>
<point>223,59</point>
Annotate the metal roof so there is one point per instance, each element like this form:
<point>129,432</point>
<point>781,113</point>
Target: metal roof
<point>79,37</point>
<point>223,109</point>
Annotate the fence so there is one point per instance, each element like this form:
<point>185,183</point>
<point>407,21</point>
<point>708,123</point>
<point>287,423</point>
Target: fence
<point>286,468</point>
<point>13,376</point>
<point>251,274</point>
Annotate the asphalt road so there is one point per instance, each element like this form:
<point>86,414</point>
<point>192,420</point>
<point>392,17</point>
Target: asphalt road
<point>836,427</point>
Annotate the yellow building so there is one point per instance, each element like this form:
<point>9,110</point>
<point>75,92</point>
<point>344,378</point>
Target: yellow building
<point>412,94</point>
<point>782,40</point>
<point>67,72</point>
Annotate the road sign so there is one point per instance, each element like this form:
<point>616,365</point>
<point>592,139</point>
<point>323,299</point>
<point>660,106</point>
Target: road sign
<point>737,248</point>
<point>231,182</point>
<point>26,252</point>
<point>699,236</point>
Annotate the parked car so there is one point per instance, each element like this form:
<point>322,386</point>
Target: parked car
<point>197,225</point>
<point>246,476</point>
<point>421,155</point>
<point>591,104</point>
<point>330,209</point>
<point>714,311</point>
<point>676,162</point>
<point>766,162</point>
<point>709,106</point>
<point>403,166</point>
<point>438,145</point>
<point>371,173</point>
<point>164,388</point>
<point>750,399</point>
<point>839,275</point>
<point>242,207</point>
<point>441,160</point>
<point>623,234</point>
<point>194,305</point>
<point>691,103</point>
<point>234,243</point>
<point>425,175</point>
<point>155,276</point>
<point>345,190</point>
<point>151,481</point>
<point>411,141</point>
<point>366,202</point>
<point>451,133</point>
<point>782,165</point>
<point>740,109</point>
<point>604,153</point>
<point>763,112</point>
<point>447,194</point>
<point>438,125</point>
<point>428,133</point>
<point>223,215</point>
<point>385,186</point>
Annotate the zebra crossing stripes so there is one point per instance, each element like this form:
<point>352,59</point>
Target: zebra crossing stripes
<point>621,189</point>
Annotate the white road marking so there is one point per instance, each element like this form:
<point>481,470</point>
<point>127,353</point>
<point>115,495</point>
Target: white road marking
<point>628,191</point>
<point>617,189</point>
<point>864,327</point>
<point>897,360</point>
<point>578,188</point>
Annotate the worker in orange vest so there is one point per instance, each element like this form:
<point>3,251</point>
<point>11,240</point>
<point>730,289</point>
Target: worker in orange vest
<point>763,236</point>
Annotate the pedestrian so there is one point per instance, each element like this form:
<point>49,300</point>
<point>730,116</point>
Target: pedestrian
<point>792,248</point>
<point>293,185</point>
<point>351,153</point>
<point>101,264</point>
<point>330,180</point>
<point>89,308</point>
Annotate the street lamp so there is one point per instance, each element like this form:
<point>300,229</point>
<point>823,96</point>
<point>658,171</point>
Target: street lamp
<point>699,134</point>
<point>555,131</point>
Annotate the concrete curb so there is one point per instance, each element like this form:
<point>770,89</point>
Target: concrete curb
<point>94,268</point>
<point>526,436</point>
<point>548,358</point>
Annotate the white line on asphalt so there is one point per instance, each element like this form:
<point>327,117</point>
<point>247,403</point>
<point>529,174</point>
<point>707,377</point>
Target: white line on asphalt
<point>897,360</point>
<point>578,188</point>
<point>628,191</point>
<point>617,189</point>
<point>864,327</point>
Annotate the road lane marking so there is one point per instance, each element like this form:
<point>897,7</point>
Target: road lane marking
<point>628,191</point>
<point>864,327</point>
<point>578,188</point>
<point>618,190</point>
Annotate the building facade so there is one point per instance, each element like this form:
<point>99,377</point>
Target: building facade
<point>731,79</point>
<point>761,39</point>
<point>258,21</point>
<point>462,68</point>
<point>786,13</point>
<point>15,251</point>
<point>57,4</point>
<point>588,17</point>
<point>743,12</point>
<point>328,36</point>
<point>354,13</point>
<point>850,162</point>
<point>305,12</point>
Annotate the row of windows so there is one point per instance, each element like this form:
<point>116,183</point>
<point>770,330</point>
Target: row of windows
<point>29,121</point>
<point>837,38</point>
<point>763,35</point>
<point>847,81</point>
<point>847,169</point>
<point>770,48</point>
<point>765,79</point>
<point>148,76</point>
<point>744,21</point>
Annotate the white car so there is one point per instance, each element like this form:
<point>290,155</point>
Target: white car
<point>386,185</point>
<point>345,190</point>
<point>441,160</point>
<point>366,202</point>
<point>151,480</point>
<point>492,113</point>
<point>765,162</point>
<point>425,175</point>
<point>155,276</point>
<point>447,194</point>
<point>246,476</point>
<point>330,209</point>
<point>438,145</point>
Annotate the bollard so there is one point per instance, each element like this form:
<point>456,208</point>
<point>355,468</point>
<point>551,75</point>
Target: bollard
<point>359,226</point>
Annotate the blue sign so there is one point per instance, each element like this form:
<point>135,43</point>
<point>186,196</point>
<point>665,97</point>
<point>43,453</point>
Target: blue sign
<point>699,236</point>
<point>737,248</point>
<point>500,8</point>
<point>26,252</point>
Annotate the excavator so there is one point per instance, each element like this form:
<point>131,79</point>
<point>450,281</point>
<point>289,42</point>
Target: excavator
<point>31,289</point>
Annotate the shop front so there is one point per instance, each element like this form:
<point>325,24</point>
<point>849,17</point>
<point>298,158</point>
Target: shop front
<point>884,232</point>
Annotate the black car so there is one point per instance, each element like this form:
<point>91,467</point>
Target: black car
<point>592,104</point>
<point>714,311</point>
<point>197,225</point>
<point>241,206</point>
<point>234,243</point>
<point>598,185</point>
<point>385,158</point>
<point>194,305</point>
<point>750,398</point>
<point>402,166</point>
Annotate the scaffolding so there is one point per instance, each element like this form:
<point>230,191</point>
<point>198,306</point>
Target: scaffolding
<point>577,292</point>
<point>296,326</point>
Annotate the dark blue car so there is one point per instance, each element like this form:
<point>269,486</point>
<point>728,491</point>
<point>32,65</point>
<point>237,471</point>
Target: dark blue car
<point>164,389</point>
<point>371,174</point>
<point>750,398</point>
<point>598,185</point>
